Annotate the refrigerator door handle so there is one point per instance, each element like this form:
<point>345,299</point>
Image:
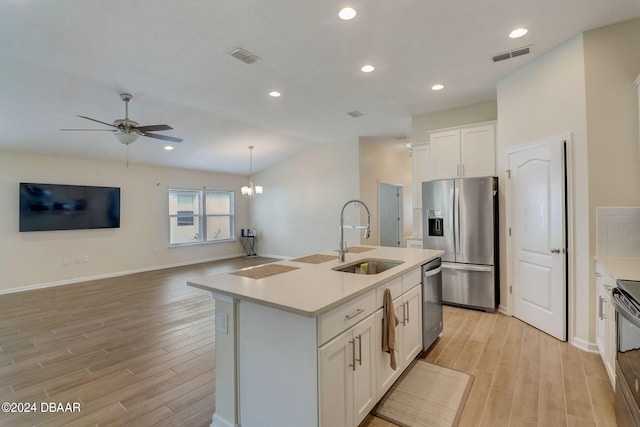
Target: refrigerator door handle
<point>467,267</point>
<point>456,219</point>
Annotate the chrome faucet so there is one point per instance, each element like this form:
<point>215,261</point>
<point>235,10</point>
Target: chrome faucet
<point>367,232</point>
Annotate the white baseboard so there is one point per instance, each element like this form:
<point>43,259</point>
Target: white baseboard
<point>504,310</point>
<point>218,421</point>
<point>275,256</point>
<point>110,275</point>
<point>591,347</point>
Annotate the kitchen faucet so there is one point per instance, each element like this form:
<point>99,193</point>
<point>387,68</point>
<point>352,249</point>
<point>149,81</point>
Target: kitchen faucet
<point>367,232</point>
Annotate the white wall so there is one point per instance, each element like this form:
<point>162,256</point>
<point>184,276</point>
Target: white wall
<point>299,212</point>
<point>544,99</point>
<point>141,242</point>
<point>390,164</point>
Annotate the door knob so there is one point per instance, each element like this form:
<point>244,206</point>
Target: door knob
<point>555,250</point>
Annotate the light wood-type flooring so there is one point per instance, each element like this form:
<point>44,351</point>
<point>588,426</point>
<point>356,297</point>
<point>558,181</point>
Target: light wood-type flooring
<point>138,350</point>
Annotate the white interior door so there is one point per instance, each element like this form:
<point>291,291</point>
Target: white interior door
<point>538,253</point>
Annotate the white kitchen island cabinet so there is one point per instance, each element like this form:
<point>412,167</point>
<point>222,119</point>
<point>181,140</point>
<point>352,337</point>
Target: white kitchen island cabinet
<point>300,348</point>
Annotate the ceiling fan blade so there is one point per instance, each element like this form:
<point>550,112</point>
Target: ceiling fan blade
<point>162,137</point>
<point>94,120</point>
<point>90,130</point>
<point>154,128</point>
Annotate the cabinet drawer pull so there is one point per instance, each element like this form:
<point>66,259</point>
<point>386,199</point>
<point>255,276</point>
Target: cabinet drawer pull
<point>351,316</point>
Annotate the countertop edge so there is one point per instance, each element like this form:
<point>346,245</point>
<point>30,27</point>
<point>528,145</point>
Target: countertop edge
<point>406,266</point>
<point>620,268</point>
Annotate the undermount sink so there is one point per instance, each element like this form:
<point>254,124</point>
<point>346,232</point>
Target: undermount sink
<point>368,266</point>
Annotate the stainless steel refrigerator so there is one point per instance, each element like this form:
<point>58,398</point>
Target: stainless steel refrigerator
<point>460,217</point>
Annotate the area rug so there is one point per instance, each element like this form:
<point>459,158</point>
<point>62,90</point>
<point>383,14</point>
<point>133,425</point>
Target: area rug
<point>426,395</point>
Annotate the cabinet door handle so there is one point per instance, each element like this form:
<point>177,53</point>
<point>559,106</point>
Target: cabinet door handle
<point>359,359</point>
<point>463,169</point>
<point>353,354</point>
<point>458,170</point>
<point>601,308</point>
<point>351,316</point>
<point>598,274</point>
<point>408,313</point>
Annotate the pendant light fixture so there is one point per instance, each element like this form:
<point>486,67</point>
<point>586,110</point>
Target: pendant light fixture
<point>251,190</point>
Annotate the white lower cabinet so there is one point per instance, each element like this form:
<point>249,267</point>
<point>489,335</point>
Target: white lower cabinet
<point>408,308</point>
<point>353,371</point>
<point>605,321</point>
<point>347,376</point>
<point>412,326</point>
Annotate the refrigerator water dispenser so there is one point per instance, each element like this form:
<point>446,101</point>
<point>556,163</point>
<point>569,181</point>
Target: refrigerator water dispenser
<point>435,222</point>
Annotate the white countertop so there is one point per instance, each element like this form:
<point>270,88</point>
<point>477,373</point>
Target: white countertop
<point>621,268</point>
<point>314,289</point>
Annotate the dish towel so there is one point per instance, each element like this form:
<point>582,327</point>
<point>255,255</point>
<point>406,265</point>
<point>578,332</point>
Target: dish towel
<point>389,323</point>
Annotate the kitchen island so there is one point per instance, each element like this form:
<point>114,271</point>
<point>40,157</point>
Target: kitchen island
<point>298,343</point>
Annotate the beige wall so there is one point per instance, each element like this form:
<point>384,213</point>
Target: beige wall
<point>387,163</point>
<point>543,100</point>
<point>299,212</point>
<point>612,62</point>
<point>422,124</point>
<point>141,243</point>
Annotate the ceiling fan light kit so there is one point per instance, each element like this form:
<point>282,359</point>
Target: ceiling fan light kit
<point>126,130</point>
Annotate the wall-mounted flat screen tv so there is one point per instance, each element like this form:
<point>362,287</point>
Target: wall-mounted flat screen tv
<point>45,207</point>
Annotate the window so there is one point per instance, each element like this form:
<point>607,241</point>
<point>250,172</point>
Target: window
<point>197,216</point>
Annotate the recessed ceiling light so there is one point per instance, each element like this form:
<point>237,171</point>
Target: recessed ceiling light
<point>437,87</point>
<point>347,13</point>
<point>368,68</point>
<point>519,32</point>
<point>168,147</point>
<point>274,94</point>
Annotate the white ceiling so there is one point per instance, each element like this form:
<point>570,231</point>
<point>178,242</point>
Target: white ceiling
<point>67,57</point>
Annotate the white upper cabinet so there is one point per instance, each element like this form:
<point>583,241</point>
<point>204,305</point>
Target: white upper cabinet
<point>463,152</point>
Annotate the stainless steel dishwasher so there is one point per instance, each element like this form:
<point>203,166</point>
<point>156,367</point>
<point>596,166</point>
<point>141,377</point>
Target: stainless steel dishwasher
<point>431,302</point>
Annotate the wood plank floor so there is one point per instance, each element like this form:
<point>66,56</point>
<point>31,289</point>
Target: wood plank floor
<point>138,350</point>
<point>522,377</point>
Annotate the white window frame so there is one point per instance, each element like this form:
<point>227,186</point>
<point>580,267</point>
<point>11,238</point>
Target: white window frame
<point>202,216</point>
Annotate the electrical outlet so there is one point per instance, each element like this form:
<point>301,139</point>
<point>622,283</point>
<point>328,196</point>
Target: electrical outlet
<point>78,260</point>
<point>86,259</point>
<point>65,261</point>
<point>222,323</point>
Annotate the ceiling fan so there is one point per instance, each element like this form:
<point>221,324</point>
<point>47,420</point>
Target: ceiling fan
<point>126,130</point>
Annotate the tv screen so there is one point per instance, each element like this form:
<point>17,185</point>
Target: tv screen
<point>45,207</point>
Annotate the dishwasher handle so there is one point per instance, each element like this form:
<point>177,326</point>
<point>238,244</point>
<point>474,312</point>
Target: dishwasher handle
<point>429,273</point>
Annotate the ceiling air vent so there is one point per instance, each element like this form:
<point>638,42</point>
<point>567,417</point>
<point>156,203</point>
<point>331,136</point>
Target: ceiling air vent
<point>355,114</point>
<point>511,54</point>
<point>244,55</point>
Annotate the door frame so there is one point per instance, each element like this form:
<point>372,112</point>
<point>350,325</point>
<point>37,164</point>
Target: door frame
<point>400,213</point>
<point>569,228</point>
